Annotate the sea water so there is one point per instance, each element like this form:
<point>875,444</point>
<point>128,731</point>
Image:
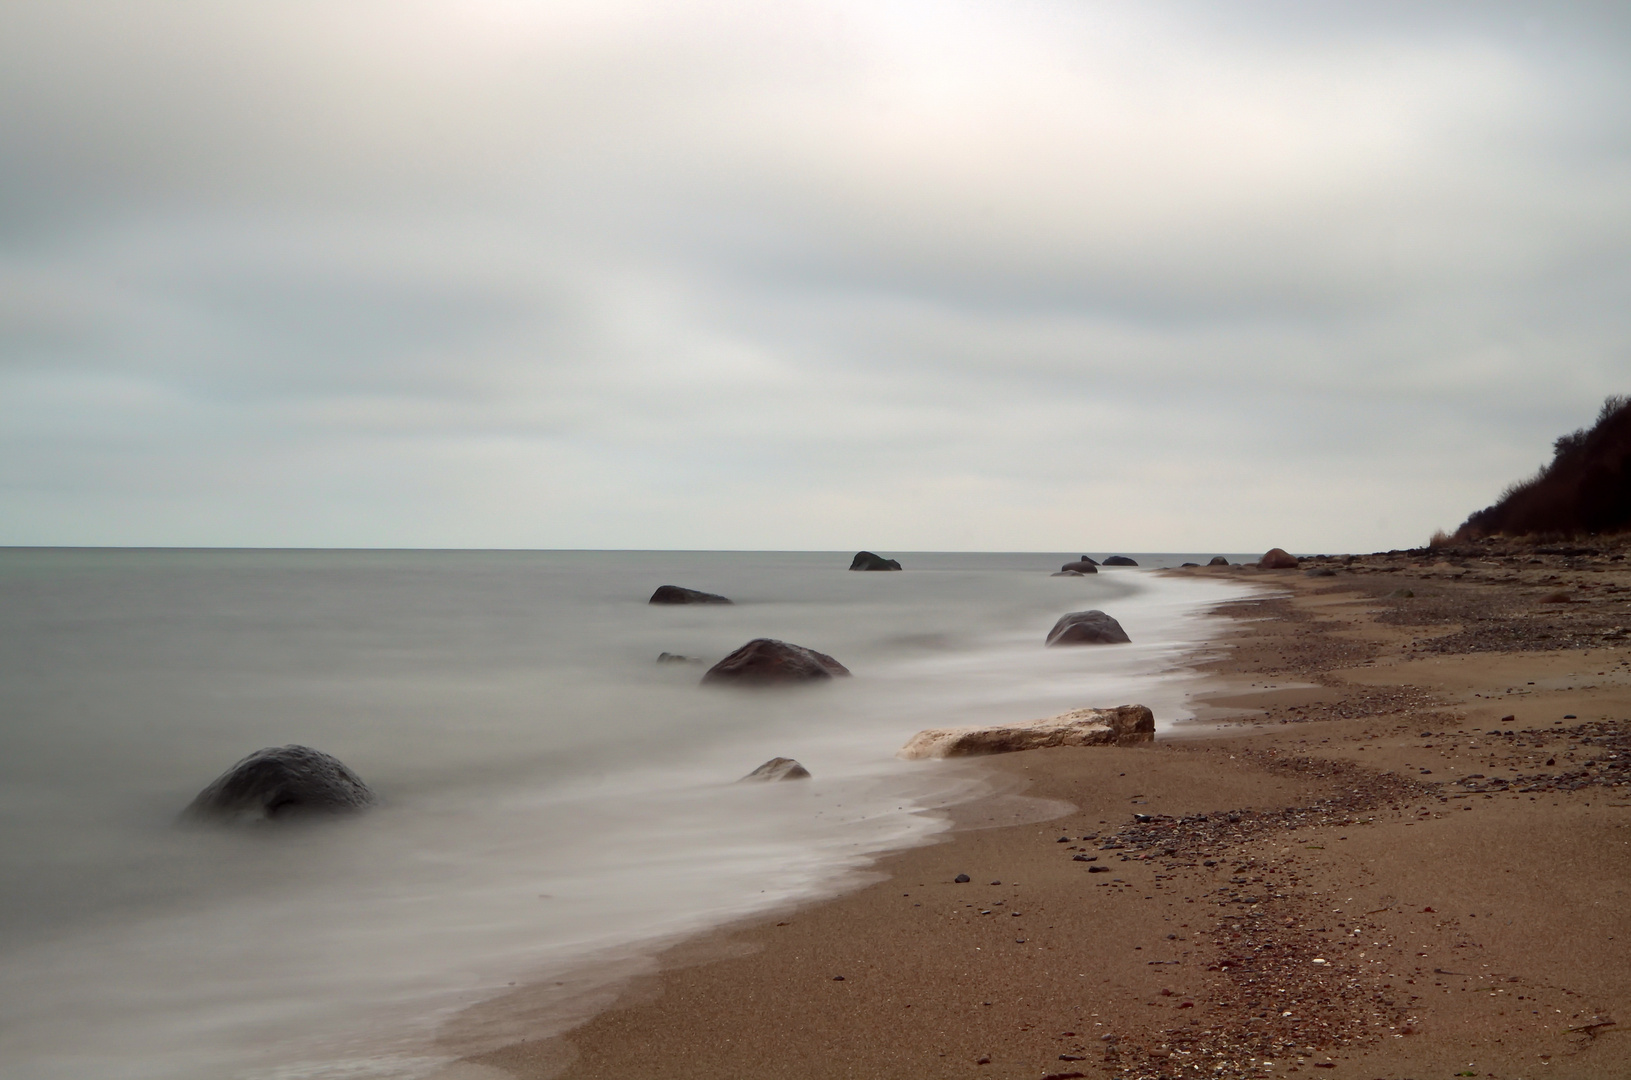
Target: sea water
<point>555,804</point>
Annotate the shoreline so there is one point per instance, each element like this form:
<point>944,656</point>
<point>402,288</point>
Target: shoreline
<point>1353,762</point>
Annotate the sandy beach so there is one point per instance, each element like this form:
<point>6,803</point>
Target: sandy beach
<point>1396,843</point>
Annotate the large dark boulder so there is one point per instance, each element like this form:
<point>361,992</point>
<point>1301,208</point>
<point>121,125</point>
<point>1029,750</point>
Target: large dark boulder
<point>280,782</point>
<point>1277,559</point>
<point>866,560</point>
<point>1218,560</point>
<point>1087,628</point>
<point>673,594</point>
<point>768,662</point>
<point>1119,560</point>
<point>1081,566</point>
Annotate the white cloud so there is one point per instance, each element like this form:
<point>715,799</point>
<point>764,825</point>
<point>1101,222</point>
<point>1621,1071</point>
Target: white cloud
<point>925,276</point>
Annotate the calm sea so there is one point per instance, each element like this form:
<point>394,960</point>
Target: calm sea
<point>554,802</point>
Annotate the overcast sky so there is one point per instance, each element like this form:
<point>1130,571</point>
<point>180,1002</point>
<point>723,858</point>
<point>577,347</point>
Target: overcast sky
<point>904,276</point>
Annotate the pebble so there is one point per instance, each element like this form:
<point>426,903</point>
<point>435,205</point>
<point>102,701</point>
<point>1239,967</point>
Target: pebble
<point>961,879</point>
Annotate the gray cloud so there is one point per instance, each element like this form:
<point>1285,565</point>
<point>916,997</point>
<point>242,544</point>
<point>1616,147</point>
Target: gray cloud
<point>978,275</point>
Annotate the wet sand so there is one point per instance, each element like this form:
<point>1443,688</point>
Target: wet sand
<point>1400,847</point>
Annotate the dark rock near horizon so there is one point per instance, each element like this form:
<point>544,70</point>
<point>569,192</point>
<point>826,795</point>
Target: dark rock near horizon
<point>866,560</point>
<point>1218,560</point>
<point>676,658</point>
<point>778,768</point>
<point>1089,559</point>
<point>1081,566</point>
<point>1277,559</point>
<point>1189,564</point>
<point>1087,628</point>
<point>280,782</point>
<point>674,594</point>
<point>1119,560</point>
<point>768,662</point>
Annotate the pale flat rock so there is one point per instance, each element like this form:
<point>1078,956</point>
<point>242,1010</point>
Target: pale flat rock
<point>1124,725</point>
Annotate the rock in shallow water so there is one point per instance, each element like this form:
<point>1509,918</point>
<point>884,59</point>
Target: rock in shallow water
<point>1087,628</point>
<point>1125,725</point>
<point>1119,560</point>
<point>674,594</point>
<point>866,560</point>
<point>280,782</point>
<point>768,662</point>
<point>1080,566</point>
<point>779,768</point>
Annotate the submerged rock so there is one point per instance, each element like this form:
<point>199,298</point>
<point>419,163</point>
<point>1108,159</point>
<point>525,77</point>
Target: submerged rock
<point>1087,628</point>
<point>1083,565</point>
<point>278,782</point>
<point>1277,559</point>
<point>676,658</point>
<point>866,560</point>
<point>1119,560</point>
<point>674,594</point>
<point>779,768</point>
<point>767,662</point>
<point>1125,725</point>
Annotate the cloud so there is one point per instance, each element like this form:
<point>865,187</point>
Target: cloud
<point>715,275</point>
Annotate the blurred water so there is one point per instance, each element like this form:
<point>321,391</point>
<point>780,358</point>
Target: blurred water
<point>553,799</point>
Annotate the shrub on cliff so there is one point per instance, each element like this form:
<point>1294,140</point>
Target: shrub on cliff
<point>1585,489</point>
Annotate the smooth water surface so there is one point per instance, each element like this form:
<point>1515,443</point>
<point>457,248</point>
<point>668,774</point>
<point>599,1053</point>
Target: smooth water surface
<point>552,798</point>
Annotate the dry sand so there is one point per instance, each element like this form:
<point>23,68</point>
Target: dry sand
<point>1401,849</point>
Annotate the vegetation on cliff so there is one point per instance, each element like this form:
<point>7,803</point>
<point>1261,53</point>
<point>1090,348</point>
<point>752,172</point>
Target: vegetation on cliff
<point>1585,489</point>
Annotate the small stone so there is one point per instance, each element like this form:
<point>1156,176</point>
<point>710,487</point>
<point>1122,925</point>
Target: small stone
<point>674,594</point>
<point>779,768</point>
<point>983,1059</point>
<point>1098,869</point>
<point>961,879</point>
<point>838,978</point>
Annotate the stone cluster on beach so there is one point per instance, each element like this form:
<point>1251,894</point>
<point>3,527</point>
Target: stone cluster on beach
<point>1124,725</point>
